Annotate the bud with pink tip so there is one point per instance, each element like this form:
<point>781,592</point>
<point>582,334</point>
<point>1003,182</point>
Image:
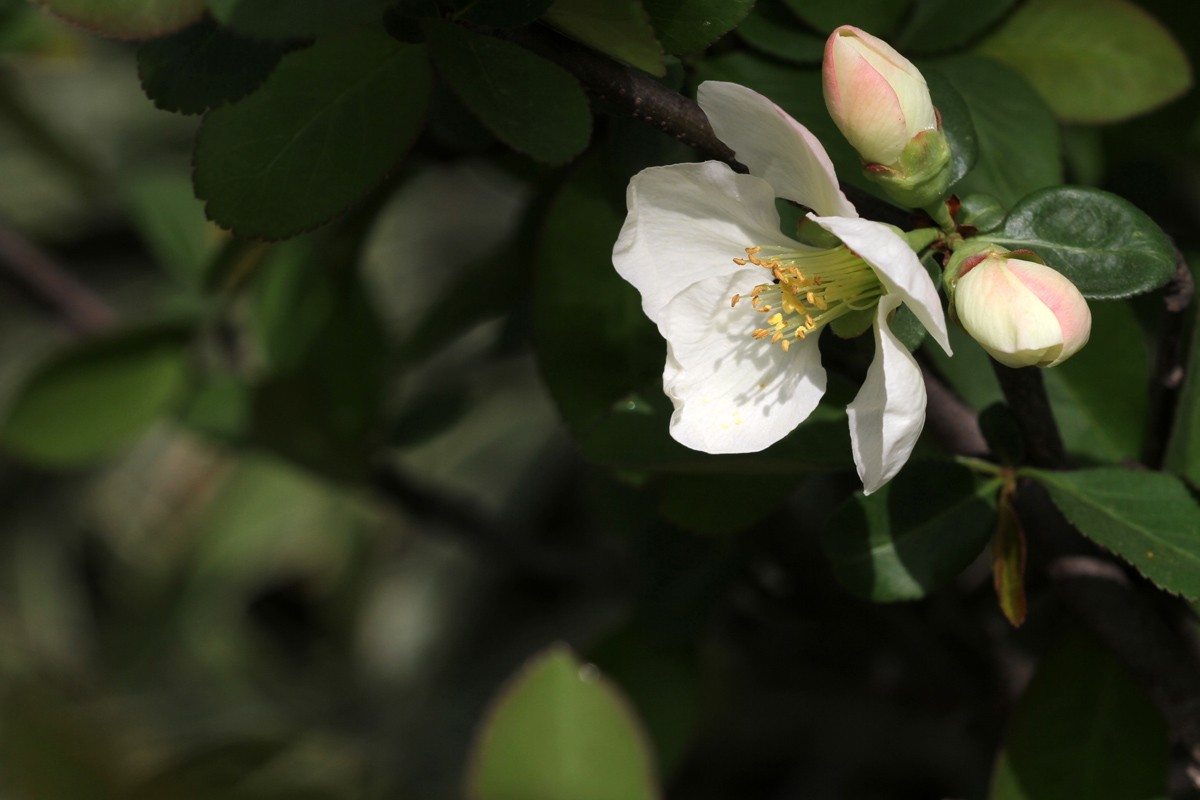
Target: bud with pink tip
<point>1022,312</point>
<point>881,104</point>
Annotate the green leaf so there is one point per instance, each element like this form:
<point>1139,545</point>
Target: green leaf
<point>684,26</point>
<point>619,28</point>
<point>1103,243</point>
<point>1147,518</point>
<point>296,19</point>
<point>530,104</point>
<point>1094,420</point>
<point>328,125</point>
<point>1008,561</point>
<point>957,125</point>
<point>913,535</point>
<point>93,398</point>
<point>1017,136</point>
<point>128,19</point>
<point>938,26</point>
<point>501,13</point>
<point>559,730</point>
<point>203,66</point>
<point>880,17</point>
<point>774,29</point>
<point>1082,728</point>
<point>1092,60</point>
<point>171,221</point>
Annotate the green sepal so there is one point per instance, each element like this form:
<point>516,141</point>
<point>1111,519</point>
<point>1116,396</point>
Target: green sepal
<point>922,174</point>
<point>855,323</point>
<point>980,211</point>
<point>813,235</point>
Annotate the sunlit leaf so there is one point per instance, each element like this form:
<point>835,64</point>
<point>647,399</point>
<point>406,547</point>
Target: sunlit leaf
<point>684,26</point>
<point>619,28</point>
<point>559,729</point>
<point>128,19</point>
<point>1092,60</point>
<point>1147,518</point>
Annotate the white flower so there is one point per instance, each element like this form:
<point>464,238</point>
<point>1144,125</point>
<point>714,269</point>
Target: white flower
<point>742,376</point>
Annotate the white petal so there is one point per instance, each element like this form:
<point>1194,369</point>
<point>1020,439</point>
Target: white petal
<point>733,393</point>
<point>887,415</point>
<point>774,146</point>
<point>687,222</point>
<point>897,267</point>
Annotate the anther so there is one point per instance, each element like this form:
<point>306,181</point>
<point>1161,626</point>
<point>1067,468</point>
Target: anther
<point>734,301</point>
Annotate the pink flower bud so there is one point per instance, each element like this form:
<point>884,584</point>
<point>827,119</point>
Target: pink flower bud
<point>876,96</point>
<point>1023,313</point>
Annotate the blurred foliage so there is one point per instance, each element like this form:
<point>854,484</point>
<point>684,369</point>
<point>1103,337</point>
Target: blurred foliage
<point>291,527</point>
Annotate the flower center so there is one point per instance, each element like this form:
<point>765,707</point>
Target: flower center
<point>808,290</point>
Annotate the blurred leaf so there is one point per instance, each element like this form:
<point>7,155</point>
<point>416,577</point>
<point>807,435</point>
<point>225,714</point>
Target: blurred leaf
<point>212,771</point>
<point>501,13</point>
<point>1093,419</point>
<point>1092,60</point>
<point>294,296</point>
<point>558,729</point>
<point>296,19</point>
<point>968,371</point>
<point>171,221</point>
<point>219,408</point>
<point>1082,728</point>
<point>619,28</point>
<point>1017,135</point>
<point>510,90</point>
<point>937,26</point>
<point>879,17</point>
<point>128,19</point>
<point>203,66</point>
<point>1103,243</point>
<point>95,397</point>
<point>327,125</point>
<point>913,535</point>
<point>774,29</point>
<point>720,504</point>
<point>1147,518</point>
<point>684,26</point>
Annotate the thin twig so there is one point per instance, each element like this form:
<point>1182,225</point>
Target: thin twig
<point>51,286</point>
<point>1167,379</point>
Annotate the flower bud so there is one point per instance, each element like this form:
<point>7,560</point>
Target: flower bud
<point>1022,313</point>
<point>881,104</point>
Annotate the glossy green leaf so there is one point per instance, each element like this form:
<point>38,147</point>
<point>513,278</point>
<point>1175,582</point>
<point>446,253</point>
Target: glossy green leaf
<point>957,124</point>
<point>880,17</point>
<point>93,398</point>
<point>128,19</point>
<point>1103,243</point>
<point>938,26</point>
<point>1092,60</point>
<point>1082,728</point>
<point>530,104</point>
<point>501,13</point>
<point>203,66</point>
<point>684,26</point>
<point>619,28</point>
<point>772,28</point>
<point>171,222</point>
<point>913,535</point>
<point>328,124</point>
<point>1147,518</point>
<point>1017,135</point>
<point>1094,420</point>
<point>559,729</point>
<point>296,19</point>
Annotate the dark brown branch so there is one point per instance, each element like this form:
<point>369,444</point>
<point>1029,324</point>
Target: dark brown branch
<point>1025,392</point>
<point>52,287</point>
<point>628,92</point>
<point>1167,379</point>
